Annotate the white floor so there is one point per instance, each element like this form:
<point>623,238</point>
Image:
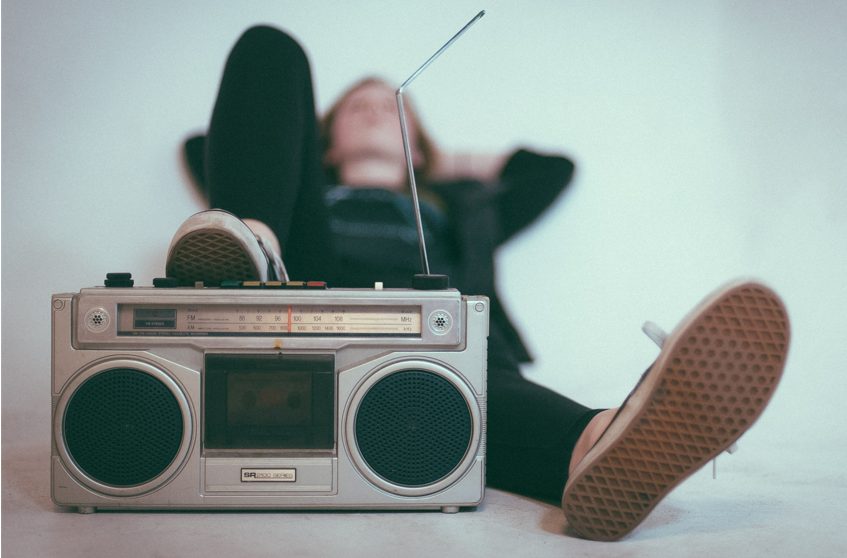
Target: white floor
<point>767,501</point>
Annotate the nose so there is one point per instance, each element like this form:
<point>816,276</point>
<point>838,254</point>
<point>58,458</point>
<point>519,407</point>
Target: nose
<point>378,106</point>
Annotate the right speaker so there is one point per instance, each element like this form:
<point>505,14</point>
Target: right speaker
<point>414,426</point>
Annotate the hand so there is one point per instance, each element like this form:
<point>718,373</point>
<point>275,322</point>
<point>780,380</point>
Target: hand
<point>484,167</point>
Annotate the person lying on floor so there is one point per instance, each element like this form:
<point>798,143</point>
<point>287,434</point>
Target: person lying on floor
<point>330,199</point>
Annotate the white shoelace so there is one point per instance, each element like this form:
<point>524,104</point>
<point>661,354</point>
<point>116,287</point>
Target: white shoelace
<point>658,336</point>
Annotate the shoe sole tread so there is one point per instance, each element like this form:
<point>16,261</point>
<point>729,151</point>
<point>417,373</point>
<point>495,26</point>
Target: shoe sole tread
<point>713,379</point>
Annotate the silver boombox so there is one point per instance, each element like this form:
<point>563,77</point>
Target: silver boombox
<point>271,395</point>
<point>268,397</point>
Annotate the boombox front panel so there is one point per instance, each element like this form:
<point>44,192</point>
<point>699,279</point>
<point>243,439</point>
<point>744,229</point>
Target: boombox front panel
<point>407,424</point>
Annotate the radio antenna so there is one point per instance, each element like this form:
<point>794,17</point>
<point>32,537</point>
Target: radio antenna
<point>424,280</point>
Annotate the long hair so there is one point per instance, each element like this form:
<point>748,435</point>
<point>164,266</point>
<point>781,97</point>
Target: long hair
<point>422,139</point>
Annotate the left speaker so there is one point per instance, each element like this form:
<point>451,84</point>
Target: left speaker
<point>123,427</point>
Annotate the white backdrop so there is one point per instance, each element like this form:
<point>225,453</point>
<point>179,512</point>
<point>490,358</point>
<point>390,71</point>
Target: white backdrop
<point>710,140</point>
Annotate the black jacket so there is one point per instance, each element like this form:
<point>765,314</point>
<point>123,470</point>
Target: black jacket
<point>485,216</point>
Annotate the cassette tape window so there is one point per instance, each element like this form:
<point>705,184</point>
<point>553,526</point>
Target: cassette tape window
<point>266,401</point>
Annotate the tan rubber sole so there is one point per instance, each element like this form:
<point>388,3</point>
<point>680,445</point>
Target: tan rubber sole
<point>214,246</point>
<point>210,257</point>
<point>715,375</point>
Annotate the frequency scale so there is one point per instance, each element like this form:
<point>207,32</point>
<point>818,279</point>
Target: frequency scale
<point>264,319</point>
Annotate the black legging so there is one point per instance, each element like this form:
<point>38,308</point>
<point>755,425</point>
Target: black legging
<point>263,157</point>
<point>263,161</point>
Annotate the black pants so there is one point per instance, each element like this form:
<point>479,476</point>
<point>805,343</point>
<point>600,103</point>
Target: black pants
<point>263,161</point>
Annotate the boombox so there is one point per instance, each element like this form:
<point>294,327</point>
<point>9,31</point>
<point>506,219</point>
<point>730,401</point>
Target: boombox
<point>271,395</point>
<point>268,397</point>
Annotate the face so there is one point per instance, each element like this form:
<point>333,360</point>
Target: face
<point>366,125</point>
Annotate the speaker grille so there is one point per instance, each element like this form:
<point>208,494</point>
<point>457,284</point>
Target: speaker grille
<point>123,427</point>
<point>413,428</point>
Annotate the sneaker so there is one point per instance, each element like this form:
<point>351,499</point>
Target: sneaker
<point>715,375</point>
<point>214,246</point>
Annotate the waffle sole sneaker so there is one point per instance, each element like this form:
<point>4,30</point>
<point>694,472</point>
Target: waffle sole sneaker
<point>715,375</point>
<point>214,246</point>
